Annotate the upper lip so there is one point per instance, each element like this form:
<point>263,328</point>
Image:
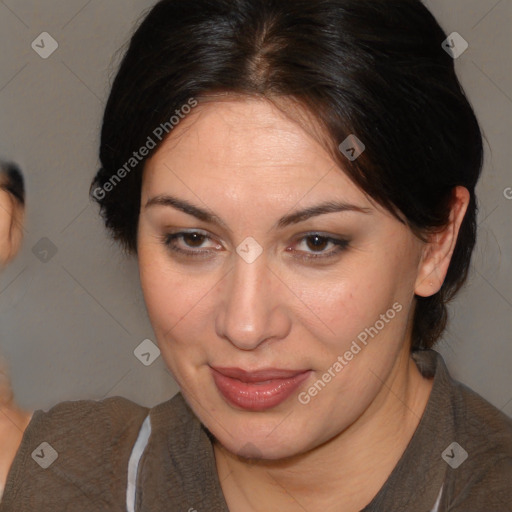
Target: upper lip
<point>257,375</point>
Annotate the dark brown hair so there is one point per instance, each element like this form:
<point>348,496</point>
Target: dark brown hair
<point>373,68</point>
<point>11,180</point>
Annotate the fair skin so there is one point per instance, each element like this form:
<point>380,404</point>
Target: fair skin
<point>249,164</point>
<point>13,419</point>
<point>13,422</point>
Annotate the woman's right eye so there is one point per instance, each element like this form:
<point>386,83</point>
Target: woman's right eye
<point>184,243</point>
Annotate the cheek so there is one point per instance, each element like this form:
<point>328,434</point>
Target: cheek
<point>361,312</point>
<point>159,289</point>
<point>332,308</point>
<point>175,300</point>
<point>340,304</point>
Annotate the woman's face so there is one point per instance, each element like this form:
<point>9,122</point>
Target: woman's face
<point>250,310</point>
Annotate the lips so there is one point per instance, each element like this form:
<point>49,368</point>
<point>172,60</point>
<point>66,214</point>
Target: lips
<point>257,390</point>
<point>258,375</point>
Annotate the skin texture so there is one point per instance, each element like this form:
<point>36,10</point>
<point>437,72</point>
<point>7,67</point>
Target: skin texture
<point>247,162</point>
<point>13,420</point>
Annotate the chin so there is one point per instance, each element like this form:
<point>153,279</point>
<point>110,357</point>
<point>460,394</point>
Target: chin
<point>259,438</point>
<point>254,450</point>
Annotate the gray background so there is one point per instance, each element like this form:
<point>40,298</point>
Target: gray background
<point>69,325</point>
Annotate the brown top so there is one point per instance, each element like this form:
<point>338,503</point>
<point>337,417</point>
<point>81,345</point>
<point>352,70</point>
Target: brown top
<point>91,441</point>
<point>458,460</point>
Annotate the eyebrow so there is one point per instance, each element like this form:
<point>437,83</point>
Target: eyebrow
<point>286,220</point>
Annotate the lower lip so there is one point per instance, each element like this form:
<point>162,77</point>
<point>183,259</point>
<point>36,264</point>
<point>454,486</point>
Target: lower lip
<point>257,396</point>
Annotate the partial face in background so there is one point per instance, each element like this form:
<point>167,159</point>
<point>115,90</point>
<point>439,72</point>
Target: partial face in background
<point>295,295</point>
<point>12,213</point>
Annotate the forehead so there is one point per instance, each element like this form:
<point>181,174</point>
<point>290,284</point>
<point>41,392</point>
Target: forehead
<point>249,145</point>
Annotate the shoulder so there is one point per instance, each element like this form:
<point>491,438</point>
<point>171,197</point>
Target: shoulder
<point>487,429</point>
<point>479,456</point>
<point>87,425</point>
<point>461,409</point>
<point>487,433</point>
<point>78,452</point>
<point>113,412</point>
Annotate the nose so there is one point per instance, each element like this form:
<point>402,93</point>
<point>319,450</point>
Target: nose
<point>252,308</point>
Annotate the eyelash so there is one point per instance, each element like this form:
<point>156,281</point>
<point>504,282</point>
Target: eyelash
<point>341,245</point>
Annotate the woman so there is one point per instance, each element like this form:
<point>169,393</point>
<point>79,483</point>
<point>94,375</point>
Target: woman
<point>13,419</point>
<point>297,180</point>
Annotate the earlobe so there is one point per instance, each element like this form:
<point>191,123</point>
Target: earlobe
<point>439,249</point>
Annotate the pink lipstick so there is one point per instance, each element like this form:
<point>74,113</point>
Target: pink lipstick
<point>257,390</point>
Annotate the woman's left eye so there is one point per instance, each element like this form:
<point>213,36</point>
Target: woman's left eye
<point>318,243</point>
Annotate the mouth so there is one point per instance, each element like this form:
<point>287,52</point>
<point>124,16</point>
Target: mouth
<point>257,390</point>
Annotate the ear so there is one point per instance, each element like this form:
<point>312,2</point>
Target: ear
<point>12,213</point>
<point>438,251</point>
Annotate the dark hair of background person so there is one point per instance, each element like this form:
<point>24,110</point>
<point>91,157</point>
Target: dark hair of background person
<point>373,68</point>
<point>11,180</point>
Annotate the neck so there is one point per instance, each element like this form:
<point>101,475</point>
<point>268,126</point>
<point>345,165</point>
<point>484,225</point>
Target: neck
<point>347,470</point>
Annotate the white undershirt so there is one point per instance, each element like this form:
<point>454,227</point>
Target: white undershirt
<point>133,464</point>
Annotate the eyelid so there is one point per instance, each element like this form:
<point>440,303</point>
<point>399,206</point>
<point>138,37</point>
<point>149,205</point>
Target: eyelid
<point>180,232</point>
<point>340,243</point>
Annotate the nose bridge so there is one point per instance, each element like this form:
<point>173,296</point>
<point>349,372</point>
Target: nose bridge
<point>250,312</point>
